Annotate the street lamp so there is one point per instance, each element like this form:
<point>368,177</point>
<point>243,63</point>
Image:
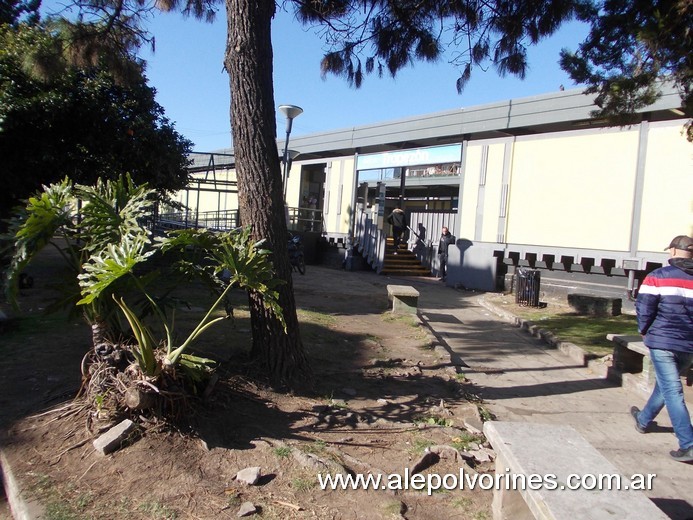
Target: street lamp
<point>291,112</point>
<point>291,155</point>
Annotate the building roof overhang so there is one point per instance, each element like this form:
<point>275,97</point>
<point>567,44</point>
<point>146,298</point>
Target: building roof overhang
<point>554,112</point>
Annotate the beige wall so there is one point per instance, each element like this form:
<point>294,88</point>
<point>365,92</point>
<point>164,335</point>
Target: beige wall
<point>293,187</point>
<point>339,187</point>
<point>492,192</point>
<point>340,173</point>
<point>475,212</point>
<point>470,190</point>
<point>209,201</point>
<point>573,190</point>
<point>667,206</point>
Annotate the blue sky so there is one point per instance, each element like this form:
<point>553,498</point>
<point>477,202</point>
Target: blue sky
<point>186,70</point>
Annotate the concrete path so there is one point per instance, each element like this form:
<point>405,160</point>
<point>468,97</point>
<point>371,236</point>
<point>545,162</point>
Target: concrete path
<point>522,379</point>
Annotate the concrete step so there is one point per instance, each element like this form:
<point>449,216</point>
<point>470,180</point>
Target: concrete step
<point>404,263</point>
<point>405,272</point>
<point>396,260</point>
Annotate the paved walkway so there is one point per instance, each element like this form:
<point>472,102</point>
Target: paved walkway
<point>521,379</point>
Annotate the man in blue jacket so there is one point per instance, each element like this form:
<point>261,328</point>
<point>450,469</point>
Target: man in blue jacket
<point>665,319</point>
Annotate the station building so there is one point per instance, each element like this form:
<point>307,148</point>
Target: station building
<point>533,182</point>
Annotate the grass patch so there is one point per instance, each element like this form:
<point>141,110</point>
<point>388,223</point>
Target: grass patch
<point>315,447</point>
<point>404,319</point>
<point>434,420</point>
<point>587,332</point>
<point>282,451</point>
<point>303,483</point>
<point>84,500</point>
<point>122,506</point>
<point>427,344</point>
<point>420,445</point>
<point>57,506</point>
<point>318,332</point>
<point>318,318</point>
<point>394,509</point>
<point>60,511</point>
<point>463,441</point>
<point>157,510</point>
<point>485,414</point>
<point>234,501</point>
<point>463,503</point>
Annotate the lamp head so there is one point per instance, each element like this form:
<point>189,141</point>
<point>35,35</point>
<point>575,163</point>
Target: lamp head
<point>290,111</point>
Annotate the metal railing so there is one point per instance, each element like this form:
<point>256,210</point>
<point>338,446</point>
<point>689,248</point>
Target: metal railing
<point>424,232</point>
<point>305,219</point>
<point>299,219</point>
<point>216,220</point>
<point>369,240</point>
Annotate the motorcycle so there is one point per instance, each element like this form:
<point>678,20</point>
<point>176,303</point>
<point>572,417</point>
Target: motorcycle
<point>296,254</point>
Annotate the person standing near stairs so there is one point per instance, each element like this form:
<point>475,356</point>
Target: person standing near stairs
<point>398,220</point>
<point>446,239</point>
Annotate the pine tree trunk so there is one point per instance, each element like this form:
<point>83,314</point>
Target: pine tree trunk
<point>249,64</point>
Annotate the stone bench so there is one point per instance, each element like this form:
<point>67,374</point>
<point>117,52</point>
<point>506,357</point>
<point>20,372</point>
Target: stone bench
<point>595,305</point>
<point>631,366</point>
<point>557,450</point>
<point>404,298</point>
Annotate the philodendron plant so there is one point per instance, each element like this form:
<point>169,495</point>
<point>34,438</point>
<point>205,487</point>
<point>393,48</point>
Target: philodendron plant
<point>85,224</point>
<point>99,231</point>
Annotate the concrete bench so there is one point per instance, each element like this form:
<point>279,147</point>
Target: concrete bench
<point>548,450</point>
<point>404,298</point>
<point>595,305</point>
<point>632,367</point>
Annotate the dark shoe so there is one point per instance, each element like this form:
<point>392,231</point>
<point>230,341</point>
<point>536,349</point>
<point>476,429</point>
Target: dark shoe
<point>682,455</point>
<point>635,411</point>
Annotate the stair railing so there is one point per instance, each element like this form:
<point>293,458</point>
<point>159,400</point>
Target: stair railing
<point>422,248</point>
<point>369,240</point>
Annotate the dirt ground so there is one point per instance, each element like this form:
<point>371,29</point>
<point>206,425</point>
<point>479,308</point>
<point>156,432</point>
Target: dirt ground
<point>385,402</point>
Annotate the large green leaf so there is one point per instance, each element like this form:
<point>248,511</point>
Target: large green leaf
<point>113,210</point>
<point>111,264</point>
<point>146,345</point>
<point>35,227</point>
<point>247,264</point>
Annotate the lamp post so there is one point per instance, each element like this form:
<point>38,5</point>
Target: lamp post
<point>291,112</point>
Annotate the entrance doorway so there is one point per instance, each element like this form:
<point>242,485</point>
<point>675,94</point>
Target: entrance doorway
<point>312,196</point>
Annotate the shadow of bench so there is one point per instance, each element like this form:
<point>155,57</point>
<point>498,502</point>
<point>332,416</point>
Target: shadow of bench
<point>545,456</point>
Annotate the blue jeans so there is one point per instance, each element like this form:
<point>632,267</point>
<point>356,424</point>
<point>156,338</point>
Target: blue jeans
<point>668,391</point>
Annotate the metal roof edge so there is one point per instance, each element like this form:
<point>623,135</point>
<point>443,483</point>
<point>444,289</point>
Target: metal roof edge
<point>541,109</point>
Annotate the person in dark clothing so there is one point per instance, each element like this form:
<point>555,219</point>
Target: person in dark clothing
<point>664,310</point>
<point>446,239</point>
<point>398,220</point>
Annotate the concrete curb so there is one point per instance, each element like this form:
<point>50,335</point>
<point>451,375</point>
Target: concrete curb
<point>571,350</point>
<point>20,508</point>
